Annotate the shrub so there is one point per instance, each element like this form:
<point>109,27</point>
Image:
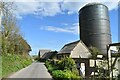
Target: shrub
<point>57,74</point>
<point>47,63</point>
<point>68,64</point>
<point>64,69</point>
<point>50,67</point>
<point>65,75</point>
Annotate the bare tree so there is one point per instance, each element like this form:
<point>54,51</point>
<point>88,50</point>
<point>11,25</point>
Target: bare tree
<point>9,28</point>
<point>12,42</point>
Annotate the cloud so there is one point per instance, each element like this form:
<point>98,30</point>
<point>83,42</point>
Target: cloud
<point>73,29</point>
<point>54,7</point>
<point>25,8</point>
<point>37,8</point>
<point>73,6</point>
<point>65,24</point>
<point>48,9</point>
<point>111,5</point>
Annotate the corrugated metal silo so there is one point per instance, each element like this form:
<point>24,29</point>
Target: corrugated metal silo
<point>95,26</point>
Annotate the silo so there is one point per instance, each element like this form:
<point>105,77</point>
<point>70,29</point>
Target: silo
<point>95,26</point>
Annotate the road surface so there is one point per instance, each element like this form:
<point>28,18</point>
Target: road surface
<point>35,70</point>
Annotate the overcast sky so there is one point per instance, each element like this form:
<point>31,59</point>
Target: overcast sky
<point>50,25</point>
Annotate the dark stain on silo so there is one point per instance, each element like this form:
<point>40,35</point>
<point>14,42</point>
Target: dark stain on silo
<point>95,26</point>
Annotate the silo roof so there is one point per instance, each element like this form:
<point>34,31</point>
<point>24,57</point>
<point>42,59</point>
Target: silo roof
<point>92,4</point>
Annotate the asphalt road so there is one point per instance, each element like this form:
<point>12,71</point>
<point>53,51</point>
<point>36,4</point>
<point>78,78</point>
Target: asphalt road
<point>35,70</point>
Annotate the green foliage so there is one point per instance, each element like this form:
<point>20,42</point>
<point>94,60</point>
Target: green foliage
<point>64,69</point>
<point>67,64</point>
<point>50,66</point>
<point>65,75</point>
<point>12,63</point>
<point>94,51</point>
<point>58,74</point>
<point>0,66</point>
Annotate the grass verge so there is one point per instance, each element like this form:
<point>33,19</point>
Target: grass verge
<point>12,63</point>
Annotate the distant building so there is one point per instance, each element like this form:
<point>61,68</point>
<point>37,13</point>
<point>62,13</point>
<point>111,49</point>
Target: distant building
<point>42,52</point>
<point>75,49</point>
<point>49,55</point>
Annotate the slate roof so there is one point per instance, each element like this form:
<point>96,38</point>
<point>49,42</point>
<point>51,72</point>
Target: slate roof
<point>92,4</point>
<point>68,47</point>
<point>43,51</point>
<point>48,55</point>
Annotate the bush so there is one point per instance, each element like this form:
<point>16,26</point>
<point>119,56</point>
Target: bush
<point>64,69</point>
<point>65,75</point>
<point>47,63</point>
<point>68,64</point>
<point>50,67</point>
<point>57,74</point>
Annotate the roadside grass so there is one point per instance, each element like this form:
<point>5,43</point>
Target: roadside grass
<point>0,66</point>
<point>12,63</point>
